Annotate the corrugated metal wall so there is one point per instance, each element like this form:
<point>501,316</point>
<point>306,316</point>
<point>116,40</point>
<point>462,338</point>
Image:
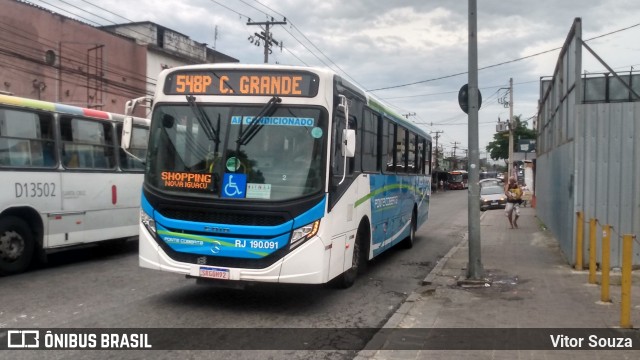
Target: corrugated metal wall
<point>588,159</point>
<point>555,167</point>
<point>610,155</point>
<point>555,196</point>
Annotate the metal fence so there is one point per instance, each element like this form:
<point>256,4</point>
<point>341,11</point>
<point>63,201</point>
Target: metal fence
<point>588,156</point>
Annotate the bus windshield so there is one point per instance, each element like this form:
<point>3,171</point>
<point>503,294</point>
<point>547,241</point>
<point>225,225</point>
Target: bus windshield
<point>455,177</point>
<point>279,159</point>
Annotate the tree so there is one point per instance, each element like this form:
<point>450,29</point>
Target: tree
<point>499,147</point>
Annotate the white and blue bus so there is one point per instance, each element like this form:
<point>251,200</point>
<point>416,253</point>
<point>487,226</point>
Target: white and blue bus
<point>65,180</point>
<point>276,174</point>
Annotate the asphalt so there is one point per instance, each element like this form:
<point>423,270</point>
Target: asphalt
<point>528,288</point>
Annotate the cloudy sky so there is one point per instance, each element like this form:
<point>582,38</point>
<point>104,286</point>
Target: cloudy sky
<point>382,44</point>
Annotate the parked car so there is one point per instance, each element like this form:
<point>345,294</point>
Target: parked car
<point>492,197</point>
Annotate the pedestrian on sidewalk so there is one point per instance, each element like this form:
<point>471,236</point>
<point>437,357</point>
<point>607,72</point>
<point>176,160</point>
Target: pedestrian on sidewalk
<point>513,191</point>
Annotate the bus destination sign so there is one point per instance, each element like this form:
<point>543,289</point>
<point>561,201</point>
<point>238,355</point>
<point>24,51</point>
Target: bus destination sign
<point>240,82</point>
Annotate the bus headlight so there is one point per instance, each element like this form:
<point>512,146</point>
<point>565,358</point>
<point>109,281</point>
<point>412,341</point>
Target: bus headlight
<point>301,234</point>
<point>148,222</point>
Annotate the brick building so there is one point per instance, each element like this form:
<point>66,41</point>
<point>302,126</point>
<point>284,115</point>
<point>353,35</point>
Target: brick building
<point>48,56</point>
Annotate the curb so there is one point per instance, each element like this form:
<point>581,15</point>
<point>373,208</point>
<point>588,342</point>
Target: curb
<point>399,315</point>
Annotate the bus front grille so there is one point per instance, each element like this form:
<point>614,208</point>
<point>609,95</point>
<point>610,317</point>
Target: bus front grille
<point>226,218</point>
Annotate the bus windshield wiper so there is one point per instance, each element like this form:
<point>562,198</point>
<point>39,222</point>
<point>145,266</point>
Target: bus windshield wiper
<point>203,119</point>
<point>245,136</point>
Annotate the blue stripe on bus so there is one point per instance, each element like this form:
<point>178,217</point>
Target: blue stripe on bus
<point>224,229</point>
<point>74,110</point>
<point>214,245</point>
<point>391,199</point>
<point>146,207</point>
<point>313,214</point>
<point>239,241</point>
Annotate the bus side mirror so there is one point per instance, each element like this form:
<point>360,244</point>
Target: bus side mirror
<point>349,143</point>
<point>127,129</point>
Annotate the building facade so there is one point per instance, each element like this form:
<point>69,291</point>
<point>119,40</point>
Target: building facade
<point>50,57</point>
<point>167,48</point>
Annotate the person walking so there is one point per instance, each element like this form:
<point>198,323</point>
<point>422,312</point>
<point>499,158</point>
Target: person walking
<point>513,191</point>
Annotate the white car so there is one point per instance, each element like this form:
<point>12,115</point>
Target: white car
<point>492,197</point>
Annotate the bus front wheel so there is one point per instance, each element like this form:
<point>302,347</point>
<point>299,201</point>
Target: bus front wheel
<point>358,262</point>
<point>16,245</point>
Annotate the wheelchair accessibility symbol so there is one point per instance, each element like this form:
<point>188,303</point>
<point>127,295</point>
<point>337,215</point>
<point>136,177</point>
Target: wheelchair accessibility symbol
<point>234,185</point>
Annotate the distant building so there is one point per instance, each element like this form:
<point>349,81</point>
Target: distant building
<point>167,48</point>
<point>51,57</point>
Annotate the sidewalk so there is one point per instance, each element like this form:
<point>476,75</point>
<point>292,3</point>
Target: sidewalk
<point>531,286</point>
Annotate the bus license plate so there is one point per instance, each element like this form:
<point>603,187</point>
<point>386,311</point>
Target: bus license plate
<point>214,273</point>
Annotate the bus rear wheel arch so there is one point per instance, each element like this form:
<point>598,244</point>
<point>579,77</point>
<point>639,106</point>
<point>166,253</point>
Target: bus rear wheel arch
<point>16,245</point>
<point>411,239</point>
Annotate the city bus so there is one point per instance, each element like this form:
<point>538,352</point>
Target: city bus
<point>281,174</point>
<point>65,180</point>
<point>458,180</point>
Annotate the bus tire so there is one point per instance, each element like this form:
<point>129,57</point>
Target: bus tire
<point>358,262</point>
<point>16,245</point>
<point>408,242</point>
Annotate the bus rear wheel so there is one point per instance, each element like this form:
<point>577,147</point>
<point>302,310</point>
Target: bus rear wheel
<point>16,245</point>
<point>408,242</point>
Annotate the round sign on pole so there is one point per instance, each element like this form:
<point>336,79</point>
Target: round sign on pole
<point>463,98</point>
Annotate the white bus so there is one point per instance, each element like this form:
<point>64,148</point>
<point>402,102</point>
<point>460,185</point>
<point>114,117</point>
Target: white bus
<point>65,180</point>
<point>276,174</point>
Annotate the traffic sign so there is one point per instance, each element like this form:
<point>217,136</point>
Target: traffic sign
<point>463,98</point>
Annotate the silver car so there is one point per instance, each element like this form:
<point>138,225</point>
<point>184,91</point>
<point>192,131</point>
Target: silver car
<point>492,197</point>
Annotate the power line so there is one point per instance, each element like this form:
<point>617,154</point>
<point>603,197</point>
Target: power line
<point>106,10</point>
<point>69,12</point>
<point>293,25</point>
<point>37,51</point>
<point>501,63</point>
<point>230,9</point>
<point>255,8</point>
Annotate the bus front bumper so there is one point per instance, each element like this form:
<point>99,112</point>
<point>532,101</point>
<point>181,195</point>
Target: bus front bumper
<point>301,266</point>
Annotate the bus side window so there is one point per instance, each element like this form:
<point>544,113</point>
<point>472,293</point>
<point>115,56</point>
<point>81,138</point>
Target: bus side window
<point>24,136</point>
<point>388,146</point>
<point>138,147</point>
<point>88,144</point>
<point>369,141</point>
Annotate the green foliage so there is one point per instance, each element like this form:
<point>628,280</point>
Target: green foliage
<point>499,147</point>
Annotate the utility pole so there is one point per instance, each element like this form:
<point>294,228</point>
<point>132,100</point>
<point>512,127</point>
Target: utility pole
<point>455,159</point>
<point>466,158</point>
<point>511,130</point>
<point>437,137</point>
<point>215,37</point>
<point>266,37</point>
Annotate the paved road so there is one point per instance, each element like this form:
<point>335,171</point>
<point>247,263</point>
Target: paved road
<point>93,288</point>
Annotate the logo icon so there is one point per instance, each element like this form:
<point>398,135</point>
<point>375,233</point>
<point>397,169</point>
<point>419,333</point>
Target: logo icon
<point>234,185</point>
<point>216,229</point>
<point>216,247</point>
<point>23,339</point>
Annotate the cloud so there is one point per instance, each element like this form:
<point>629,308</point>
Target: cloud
<point>388,43</point>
